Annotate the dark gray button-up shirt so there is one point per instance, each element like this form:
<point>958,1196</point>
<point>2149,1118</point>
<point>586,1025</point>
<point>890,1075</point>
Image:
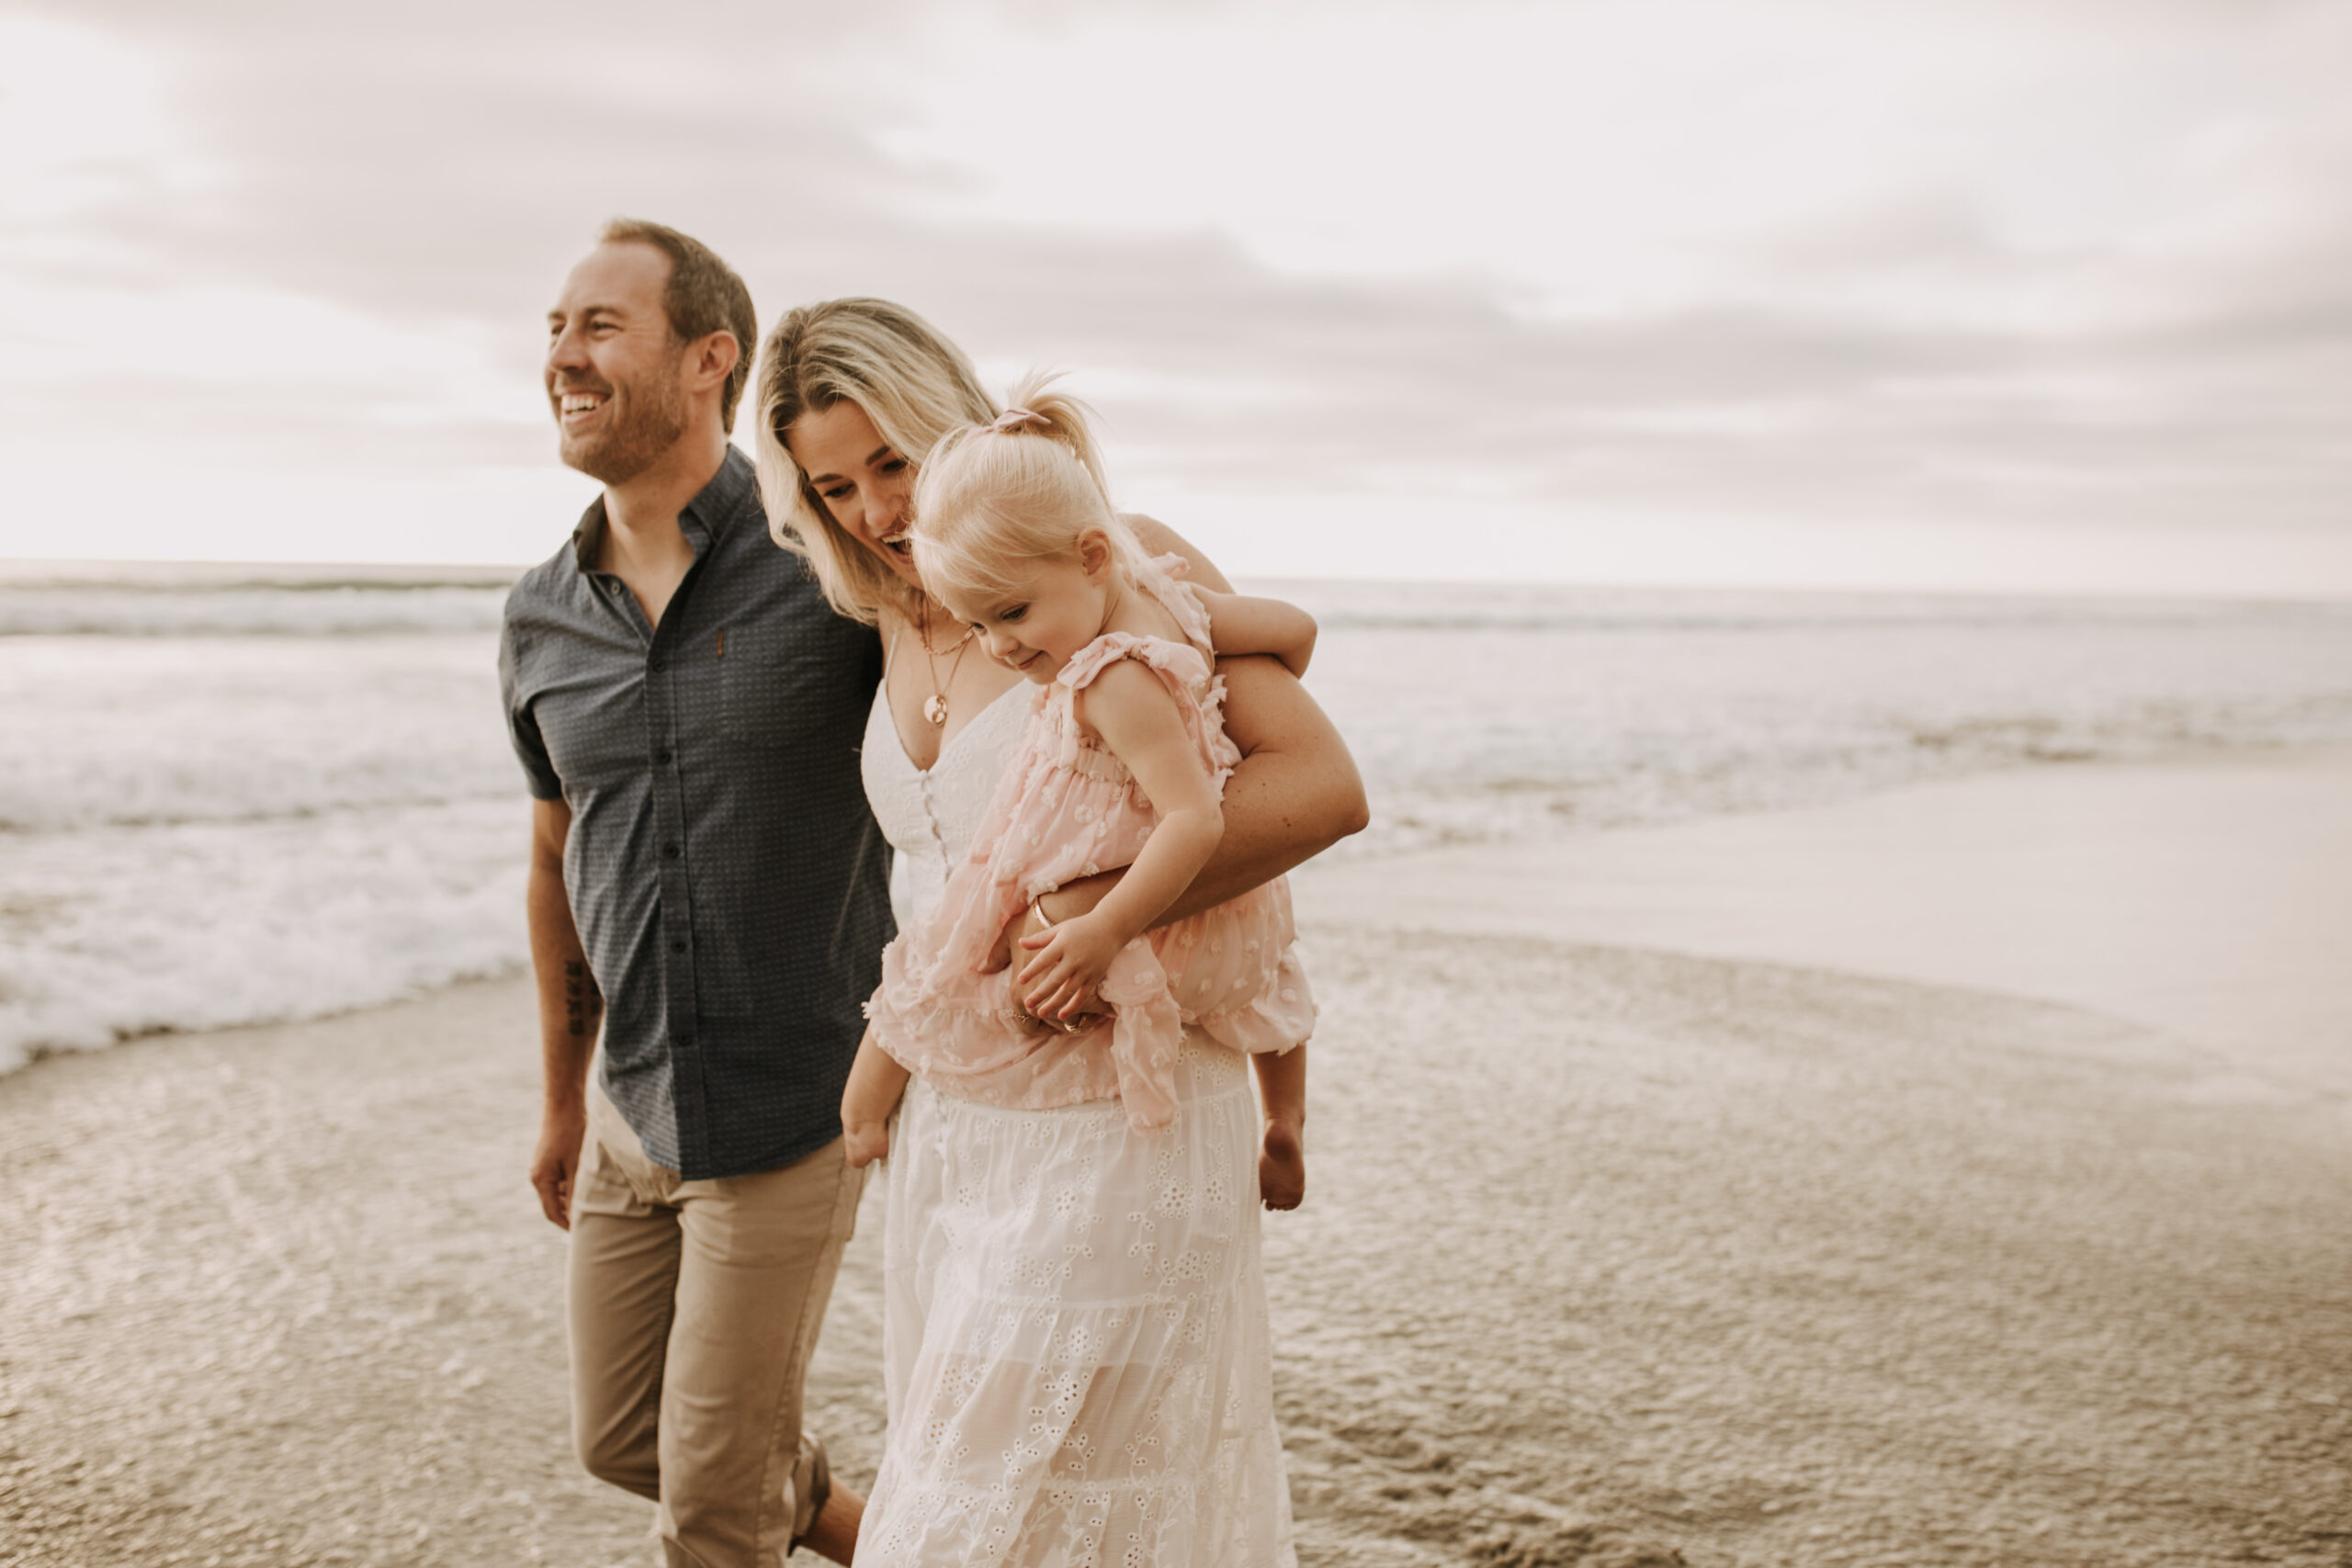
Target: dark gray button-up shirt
<point>728,880</point>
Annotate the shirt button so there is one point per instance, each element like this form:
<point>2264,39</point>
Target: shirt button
<point>654,664</point>
<point>662,756</point>
<point>678,944</point>
<point>670,850</point>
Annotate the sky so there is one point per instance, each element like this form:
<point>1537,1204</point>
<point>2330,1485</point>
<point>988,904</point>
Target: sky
<point>1967,295</point>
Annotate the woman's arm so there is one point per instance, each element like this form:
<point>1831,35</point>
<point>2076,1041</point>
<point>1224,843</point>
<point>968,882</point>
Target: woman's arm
<point>1297,792</point>
<point>1294,793</point>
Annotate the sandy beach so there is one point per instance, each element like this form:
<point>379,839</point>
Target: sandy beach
<point>1957,1176</point>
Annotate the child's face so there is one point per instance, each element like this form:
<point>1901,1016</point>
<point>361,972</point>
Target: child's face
<point>1035,627</point>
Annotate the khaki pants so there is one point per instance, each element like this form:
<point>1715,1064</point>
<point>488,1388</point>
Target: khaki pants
<point>694,1307</point>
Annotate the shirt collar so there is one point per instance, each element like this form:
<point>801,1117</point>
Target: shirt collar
<point>706,520</point>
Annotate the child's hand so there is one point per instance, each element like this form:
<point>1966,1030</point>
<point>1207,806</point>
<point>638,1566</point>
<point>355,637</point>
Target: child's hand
<point>1075,956</point>
<point>875,1082</point>
<point>863,1142</point>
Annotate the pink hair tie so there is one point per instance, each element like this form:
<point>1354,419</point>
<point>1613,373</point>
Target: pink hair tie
<point>1015,422</point>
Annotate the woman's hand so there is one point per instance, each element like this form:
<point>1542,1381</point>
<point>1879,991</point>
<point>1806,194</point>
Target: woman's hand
<point>1071,960</point>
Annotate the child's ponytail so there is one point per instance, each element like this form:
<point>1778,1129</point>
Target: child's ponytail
<point>1034,407</point>
<point>993,498</point>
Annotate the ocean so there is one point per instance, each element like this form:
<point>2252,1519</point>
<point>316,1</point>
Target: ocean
<point>234,795</point>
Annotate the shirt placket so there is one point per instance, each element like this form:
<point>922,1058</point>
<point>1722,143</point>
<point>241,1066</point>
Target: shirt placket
<point>676,904</point>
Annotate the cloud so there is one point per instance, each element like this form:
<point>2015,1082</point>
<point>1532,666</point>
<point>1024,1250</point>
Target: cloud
<point>1973,264</point>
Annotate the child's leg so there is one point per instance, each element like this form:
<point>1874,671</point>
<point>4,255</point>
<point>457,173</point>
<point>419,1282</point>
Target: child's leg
<point>1281,1160</point>
<point>875,1082</point>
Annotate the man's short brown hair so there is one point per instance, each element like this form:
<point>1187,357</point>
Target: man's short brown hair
<point>704,295</point>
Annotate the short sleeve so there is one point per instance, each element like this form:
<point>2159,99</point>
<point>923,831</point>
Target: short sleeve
<point>522,726</point>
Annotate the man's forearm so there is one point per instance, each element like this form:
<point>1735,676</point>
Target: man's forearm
<point>571,1007</point>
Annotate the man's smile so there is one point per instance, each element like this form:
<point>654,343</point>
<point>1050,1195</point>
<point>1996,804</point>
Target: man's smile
<point>574,407</point>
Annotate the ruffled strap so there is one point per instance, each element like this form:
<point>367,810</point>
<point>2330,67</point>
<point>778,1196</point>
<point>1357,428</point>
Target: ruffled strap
<point>1172,659</point>
<point>1166,580</point>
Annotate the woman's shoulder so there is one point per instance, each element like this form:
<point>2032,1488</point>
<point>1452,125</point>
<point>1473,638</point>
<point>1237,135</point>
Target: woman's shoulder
<point>1158,539</point>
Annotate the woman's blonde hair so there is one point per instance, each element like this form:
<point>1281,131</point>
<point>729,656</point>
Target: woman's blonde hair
<point>995,498</point>
<point>906,377</point>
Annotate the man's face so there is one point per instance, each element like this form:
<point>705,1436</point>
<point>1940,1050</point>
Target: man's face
<point>614,374</point>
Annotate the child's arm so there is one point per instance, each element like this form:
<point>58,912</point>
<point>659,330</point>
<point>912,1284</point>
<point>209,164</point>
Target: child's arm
<point>1139,722</point>
<point>1239,623</point>
<point>875,1082</point>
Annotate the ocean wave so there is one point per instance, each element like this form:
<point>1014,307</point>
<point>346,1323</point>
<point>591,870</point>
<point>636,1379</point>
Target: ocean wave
<point>1951,620</point>
<point>112,934</point>
<point>127,731</point>
<point>311,610</point>
<point>232,806</point>
<point>1546,607</point>
<point>235,824</point>
<point>326,602</point>
<point>1408,815</point>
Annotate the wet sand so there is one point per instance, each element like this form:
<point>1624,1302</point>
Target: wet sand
<point>2206,898</point>
<point>1610,1254</point>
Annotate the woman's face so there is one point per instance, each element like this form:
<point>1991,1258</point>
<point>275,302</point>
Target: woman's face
<point>866,485</point>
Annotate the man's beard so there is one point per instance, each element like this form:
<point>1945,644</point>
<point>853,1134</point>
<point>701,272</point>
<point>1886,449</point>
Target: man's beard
<point>654,420</point>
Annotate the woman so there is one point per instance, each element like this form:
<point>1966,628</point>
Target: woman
<point>1075,1337</point>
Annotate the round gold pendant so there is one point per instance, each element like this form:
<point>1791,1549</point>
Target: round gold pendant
<point>934,708</point>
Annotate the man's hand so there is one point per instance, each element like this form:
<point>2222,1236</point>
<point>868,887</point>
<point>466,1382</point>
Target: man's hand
<point>557,1161</point>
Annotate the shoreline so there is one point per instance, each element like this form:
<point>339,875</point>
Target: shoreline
<point>1754,1262</point>
<point>1708,887</point>
<point>2206,896</point>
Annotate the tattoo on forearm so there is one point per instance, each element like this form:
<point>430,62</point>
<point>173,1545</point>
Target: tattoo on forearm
<point>583,1003</point>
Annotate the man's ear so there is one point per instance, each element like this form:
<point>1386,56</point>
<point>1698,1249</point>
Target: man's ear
<point>713,359</point>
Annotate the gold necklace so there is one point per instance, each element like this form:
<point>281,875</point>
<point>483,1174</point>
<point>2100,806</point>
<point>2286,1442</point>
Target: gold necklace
<point>934,706</point>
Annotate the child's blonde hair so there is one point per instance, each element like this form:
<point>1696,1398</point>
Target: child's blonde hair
<point>993,499</point>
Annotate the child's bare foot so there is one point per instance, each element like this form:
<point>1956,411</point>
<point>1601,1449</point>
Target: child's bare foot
<point>1282,1166</point>
<point>865,1142</point>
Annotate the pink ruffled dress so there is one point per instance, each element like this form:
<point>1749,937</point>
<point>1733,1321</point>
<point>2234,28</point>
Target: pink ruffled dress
<point>1067,808</point>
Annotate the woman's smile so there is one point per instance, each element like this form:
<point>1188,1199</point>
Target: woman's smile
<point>862,481</point>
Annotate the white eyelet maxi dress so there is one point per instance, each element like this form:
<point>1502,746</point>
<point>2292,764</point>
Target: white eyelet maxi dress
<point>1075,1345</point>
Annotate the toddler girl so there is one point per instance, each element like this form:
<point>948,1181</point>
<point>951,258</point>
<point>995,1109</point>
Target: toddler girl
<point>1122,765</point>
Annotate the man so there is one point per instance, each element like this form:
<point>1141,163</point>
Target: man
<point>706,883</point>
